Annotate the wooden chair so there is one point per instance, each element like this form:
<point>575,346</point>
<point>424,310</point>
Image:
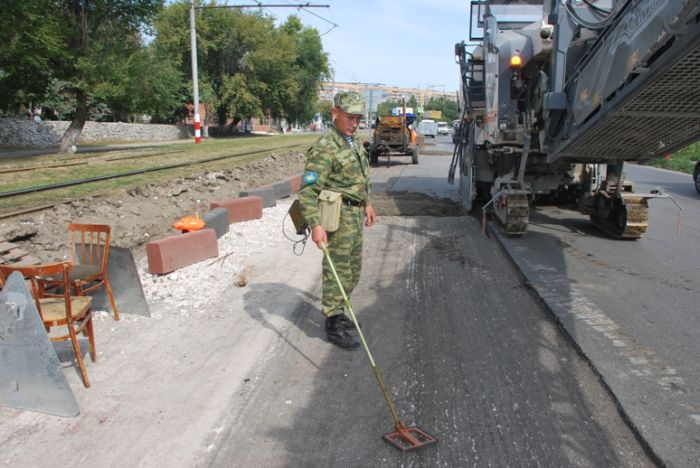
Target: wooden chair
<point>60,309</point>
<point>89,244</point>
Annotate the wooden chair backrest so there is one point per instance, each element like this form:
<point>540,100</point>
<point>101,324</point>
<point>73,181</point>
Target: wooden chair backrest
<point>90,244</point>
<point>34,273</point>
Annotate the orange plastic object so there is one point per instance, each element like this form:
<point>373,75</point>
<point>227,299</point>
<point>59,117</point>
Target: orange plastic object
<point>189,223</point>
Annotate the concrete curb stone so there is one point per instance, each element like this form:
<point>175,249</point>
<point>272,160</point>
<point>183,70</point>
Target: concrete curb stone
<point>267,193</point>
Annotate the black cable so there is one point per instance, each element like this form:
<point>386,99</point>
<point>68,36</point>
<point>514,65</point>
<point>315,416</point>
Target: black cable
<point>596,8</point>
<point>296,241</point>
<point>584,23</point>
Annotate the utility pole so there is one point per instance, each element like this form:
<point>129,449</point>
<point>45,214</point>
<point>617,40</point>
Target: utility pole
<point>195,79</point>
<point>193,45</point>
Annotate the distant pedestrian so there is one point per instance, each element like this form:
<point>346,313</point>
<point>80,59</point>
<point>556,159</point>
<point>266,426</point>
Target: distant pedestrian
<point>338,162</point>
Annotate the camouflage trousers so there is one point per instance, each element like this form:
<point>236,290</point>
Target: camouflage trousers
<point>345,249</point>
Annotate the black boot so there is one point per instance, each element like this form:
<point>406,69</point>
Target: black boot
<point>348,323</point>
<point>335,331</point>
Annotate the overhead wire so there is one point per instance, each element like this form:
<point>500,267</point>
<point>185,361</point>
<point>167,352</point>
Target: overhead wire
<point>333,25</point>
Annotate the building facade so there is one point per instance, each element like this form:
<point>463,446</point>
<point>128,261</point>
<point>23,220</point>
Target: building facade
<point>375,93</point>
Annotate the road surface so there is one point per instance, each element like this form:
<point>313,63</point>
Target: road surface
<point>466,348</point>
<point>631,306</point>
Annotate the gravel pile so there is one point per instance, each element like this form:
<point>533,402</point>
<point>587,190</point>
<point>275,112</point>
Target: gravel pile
<point>189,290</point>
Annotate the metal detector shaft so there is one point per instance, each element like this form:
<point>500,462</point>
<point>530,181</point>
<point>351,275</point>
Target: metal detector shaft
<point>389,402</point>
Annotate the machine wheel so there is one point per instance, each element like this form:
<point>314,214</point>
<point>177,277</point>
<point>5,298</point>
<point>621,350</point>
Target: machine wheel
<point>696,176</point>
<point>414,157</point>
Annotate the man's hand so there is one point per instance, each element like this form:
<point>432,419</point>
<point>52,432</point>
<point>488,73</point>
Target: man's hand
<point>370,216</point>
<point>319,236</point>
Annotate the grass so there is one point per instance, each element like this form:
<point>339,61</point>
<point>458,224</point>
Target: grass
<point>680,161</point>
<point>130,159</point>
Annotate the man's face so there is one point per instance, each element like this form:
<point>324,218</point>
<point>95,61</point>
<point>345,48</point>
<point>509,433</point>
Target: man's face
<point>345,123</point>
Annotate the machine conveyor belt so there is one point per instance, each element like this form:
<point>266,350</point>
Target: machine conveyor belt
<point>661,118</point>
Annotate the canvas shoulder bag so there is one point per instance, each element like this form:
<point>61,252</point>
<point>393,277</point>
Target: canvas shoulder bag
<point>329,207</point>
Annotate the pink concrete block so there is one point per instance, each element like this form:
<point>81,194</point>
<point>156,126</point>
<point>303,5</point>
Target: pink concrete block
<point>171,253</point>
<point>295,180</point>
<point>241,209</point>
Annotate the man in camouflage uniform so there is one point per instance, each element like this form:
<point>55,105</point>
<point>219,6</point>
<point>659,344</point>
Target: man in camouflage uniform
<point>338,162</point>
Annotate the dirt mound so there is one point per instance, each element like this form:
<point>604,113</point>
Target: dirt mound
<point>142,213</point>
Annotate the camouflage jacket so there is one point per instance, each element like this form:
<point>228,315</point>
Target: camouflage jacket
<point>332,164</point>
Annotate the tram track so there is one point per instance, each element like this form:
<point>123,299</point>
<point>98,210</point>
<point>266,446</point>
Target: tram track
<point>106,177</point>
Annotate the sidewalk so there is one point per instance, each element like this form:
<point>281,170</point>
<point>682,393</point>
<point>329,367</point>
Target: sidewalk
<point>160,382</point>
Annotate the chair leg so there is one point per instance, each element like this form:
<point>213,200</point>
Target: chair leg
<point>91,338</point>
<point>112,302</point>
<point>78,356</point>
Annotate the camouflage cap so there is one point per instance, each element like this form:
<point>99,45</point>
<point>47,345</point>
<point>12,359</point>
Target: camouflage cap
<point>350,102</point>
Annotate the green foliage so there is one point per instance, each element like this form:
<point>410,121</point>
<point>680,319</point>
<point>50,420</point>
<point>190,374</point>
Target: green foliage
<point>87,58</point>
<point>680,161</point>
<point>309,69</point>
<point>84,47</point>
<point>246,66</point>
<point>384,108</point>
<point>324,108</point>
<point>448,107</point>
<point>29,52</point>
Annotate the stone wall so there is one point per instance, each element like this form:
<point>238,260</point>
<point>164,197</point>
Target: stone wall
<point>27,133</point>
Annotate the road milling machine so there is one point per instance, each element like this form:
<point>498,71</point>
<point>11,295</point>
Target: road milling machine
<point>558,94</point>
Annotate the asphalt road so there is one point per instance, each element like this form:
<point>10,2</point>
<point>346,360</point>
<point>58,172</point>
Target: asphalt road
<point>631,306</point>
<point>468,351</point>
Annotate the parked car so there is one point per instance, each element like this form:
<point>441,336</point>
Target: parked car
<point>696,176</point>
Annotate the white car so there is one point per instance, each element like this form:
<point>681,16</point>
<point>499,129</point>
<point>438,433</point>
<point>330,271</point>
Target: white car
<point>442,128</point>
<point>427,127</point>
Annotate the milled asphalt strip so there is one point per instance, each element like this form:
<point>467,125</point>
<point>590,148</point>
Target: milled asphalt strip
<point>643,390</point>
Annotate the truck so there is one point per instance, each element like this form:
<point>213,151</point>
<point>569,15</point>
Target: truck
<point>393,136</point>
<point>427,127</point>
<point>556,95</point>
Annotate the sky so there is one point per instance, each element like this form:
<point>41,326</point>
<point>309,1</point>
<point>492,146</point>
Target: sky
<point>405,43</point>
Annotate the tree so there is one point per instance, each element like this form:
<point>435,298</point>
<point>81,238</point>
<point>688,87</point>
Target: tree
<point>143,83</point>
<point>310,68</point>
<point>78,42</point>
<point>324,108</point>
<point>28,52</point>
<point>247,67</point>
<point>447,106</point>
<point>228,47</point>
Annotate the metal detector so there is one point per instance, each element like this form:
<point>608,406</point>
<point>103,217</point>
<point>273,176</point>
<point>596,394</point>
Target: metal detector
<point>403,438</point>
